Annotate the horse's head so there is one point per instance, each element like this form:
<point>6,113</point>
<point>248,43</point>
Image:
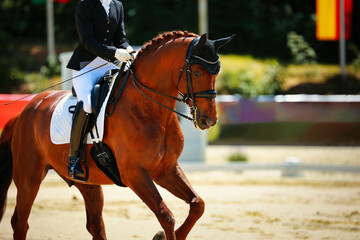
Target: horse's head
<point>196,81</point>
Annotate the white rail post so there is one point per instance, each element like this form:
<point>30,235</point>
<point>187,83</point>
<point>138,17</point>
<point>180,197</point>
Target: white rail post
<point>50,27</point>
<point>342,42</point>
<point>203,16</point>
<point>292,167</point>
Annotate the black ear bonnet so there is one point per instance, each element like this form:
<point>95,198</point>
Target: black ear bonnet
<point>203,51</point>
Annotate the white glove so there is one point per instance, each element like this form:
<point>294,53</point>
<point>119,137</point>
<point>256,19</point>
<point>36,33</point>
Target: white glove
<point>130,49</point>
<point>123,55</point>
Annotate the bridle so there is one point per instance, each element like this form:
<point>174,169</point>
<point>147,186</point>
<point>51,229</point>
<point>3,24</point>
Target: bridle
<point>190,95</point>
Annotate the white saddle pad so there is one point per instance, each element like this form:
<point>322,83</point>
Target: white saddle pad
<point>61,120</point>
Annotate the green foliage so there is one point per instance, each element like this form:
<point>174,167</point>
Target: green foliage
<point>214,133</point>
<point>52,67</point>
<point>144,20</point>
<point>14,79</point>
<point>271,81</point>
<point>249,77</point>
<point>263,30</point>
<point>356,62</point>
<point>238,157</point>
<point>261,26</point>
<point>35,82</point>
<point>21,77</point>
<point>301,51</point>
<point>10,77</point>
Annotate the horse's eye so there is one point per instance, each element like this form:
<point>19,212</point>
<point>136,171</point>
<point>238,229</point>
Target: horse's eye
<point>197,74</point>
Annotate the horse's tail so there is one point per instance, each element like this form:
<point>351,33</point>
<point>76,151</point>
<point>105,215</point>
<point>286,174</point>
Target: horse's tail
<point>6,162</point>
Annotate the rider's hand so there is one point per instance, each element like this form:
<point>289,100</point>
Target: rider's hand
<point>131,51</point>
<point>123,55</point>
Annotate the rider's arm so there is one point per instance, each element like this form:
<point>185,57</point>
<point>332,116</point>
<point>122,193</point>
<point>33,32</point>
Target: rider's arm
<point>84,26</point>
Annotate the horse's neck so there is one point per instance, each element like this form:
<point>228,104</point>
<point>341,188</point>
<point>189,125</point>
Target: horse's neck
<point>159,84</point>
<point>158,71</point>
<point>159,75</point>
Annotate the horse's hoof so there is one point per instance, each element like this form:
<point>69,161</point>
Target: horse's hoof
<point>159,236</point>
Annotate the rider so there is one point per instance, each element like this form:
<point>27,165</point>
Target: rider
<point>102,40</point>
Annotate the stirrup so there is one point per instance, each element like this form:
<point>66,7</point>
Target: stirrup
<point>74,169</point>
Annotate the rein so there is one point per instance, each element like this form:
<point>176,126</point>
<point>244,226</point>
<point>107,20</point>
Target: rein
<point>137,84</point>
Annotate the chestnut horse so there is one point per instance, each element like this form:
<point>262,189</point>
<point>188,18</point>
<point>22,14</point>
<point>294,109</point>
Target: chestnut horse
<point>145,137</point>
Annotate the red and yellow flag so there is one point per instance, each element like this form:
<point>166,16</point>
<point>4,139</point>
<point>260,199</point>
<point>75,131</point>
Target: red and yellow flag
<point>328,19</point>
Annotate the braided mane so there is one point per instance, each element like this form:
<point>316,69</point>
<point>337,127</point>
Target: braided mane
<point>161,39</point>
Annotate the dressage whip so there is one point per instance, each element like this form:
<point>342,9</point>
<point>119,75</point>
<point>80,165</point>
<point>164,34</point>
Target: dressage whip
<point>28,95</point>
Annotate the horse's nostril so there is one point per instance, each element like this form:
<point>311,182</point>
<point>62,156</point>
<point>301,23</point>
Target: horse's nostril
<point>203,122</point>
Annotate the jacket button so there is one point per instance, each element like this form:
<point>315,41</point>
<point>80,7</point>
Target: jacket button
<point>105,39</point>
<point>107,31</point>
<point>108,22</point>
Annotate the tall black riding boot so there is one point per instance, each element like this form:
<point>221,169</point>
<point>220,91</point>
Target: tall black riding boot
<point>79,130</point>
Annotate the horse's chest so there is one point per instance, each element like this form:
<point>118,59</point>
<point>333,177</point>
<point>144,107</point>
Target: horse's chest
<point>167,144</point>
<point>151,140</point>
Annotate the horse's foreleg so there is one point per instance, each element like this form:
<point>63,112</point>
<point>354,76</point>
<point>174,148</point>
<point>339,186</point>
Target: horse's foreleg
<point>142,184</point>
<point>176,182</point>
<point>94,202</point>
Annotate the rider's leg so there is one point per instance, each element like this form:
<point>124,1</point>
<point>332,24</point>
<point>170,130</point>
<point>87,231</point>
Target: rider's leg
<point>83,85</point>
<point>79,130</point>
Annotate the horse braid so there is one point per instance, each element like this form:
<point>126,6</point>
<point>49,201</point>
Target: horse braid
<point>6,162</point>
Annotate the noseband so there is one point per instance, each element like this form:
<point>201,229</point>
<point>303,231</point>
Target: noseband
<point>190,95</point>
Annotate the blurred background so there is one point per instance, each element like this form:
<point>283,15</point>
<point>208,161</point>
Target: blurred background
<point>281,47</point>
<point>288,107</point>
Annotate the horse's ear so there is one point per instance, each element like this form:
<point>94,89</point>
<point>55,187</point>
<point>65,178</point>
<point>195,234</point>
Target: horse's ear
<point>222,41</point>
<point>202,42</point>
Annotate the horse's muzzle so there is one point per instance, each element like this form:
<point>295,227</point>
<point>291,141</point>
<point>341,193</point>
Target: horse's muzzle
<point>204,122</point>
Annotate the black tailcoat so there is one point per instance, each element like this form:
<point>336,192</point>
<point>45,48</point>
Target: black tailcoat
<point>99,35</point>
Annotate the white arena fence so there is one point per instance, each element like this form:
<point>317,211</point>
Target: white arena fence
<point>288,168</point>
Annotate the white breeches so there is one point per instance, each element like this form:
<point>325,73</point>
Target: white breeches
<point>85,83</point>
